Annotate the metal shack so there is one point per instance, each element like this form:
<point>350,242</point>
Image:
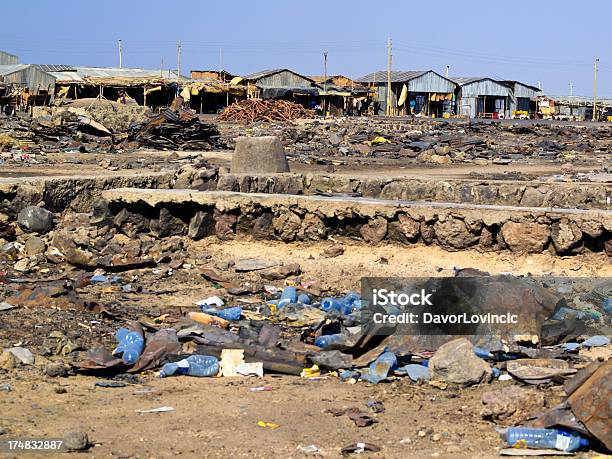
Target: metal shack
<point>282,84</point>
<point>422,92</point>
<point>8,59</point>
<point>341,95</point>
<point>483,97</point>
<point>525,96</point>
<point>25,85</point>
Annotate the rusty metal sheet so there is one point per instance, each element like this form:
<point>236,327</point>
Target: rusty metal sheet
<point>592,404</point>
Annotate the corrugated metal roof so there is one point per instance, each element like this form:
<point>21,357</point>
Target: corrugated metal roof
<point>467,80</point>
<point>267,73</point>
<point>12,68</point>
<point>396,76</point>
<point>56,68</point>
<point>80,74</point>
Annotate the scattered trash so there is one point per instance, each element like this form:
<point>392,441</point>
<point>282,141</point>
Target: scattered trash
<point>359,448</point>
<point>528,437</point>
<point>194,365</point>
<point>161,409</point>
<point>268,425</point>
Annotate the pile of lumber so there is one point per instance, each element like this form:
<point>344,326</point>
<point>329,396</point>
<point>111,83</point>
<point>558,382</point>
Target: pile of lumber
<point>265,110</point>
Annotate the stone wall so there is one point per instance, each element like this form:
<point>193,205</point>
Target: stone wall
<point>512,193</point>
<point>228,215</point>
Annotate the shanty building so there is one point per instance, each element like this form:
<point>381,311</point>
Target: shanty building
<point>525,97</point>
<point>282,84</point>
<point>341,95</point>
<point>25,85</point>
<point>424,93</point>
<point>221,75</point>
<point>481,97</point>
<point>153,88</point>
<point>8,59</point>
<point>211,95</point>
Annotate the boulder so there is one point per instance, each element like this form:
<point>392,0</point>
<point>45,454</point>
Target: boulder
<point>566,235</point>
<point>525,236</point>
<point>35,246</point>
<point>375,230</point>
<point>453,233</point>
<point>259,155</point>
<point>167,225</point>
<point>511,405</point>
<point>455,363</point>
<point>200,225</point>
<point>35,219</point>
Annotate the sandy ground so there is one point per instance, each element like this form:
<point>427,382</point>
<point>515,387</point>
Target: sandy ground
<point>218,417</point>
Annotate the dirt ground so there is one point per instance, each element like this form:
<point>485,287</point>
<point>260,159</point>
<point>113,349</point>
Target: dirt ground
<point>217,417</point>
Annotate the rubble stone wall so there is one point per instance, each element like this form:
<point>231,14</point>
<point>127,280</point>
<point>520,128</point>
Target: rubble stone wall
<point>510,193</point>
<point>288,218</point>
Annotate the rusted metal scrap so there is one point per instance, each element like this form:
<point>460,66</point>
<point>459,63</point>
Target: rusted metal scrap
<point>591,403</point>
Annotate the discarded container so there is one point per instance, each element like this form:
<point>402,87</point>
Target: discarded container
<point>208,319</point>
<point>289,295</point>
<point>194,365</point>
<point>482,353</point>
<point>232,313</point>
<point>607,305</point>
<point>329,341</point>
<point>350,302</point>
<point>529,437</point>
<point>303,298</point>
<point>131,345</point>
<point>380,368</point>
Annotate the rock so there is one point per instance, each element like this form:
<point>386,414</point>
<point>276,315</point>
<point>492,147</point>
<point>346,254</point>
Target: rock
<point>22,354</point>
<point>167,225</point>
<point>592,228</point>
<point>7,360</point>
<point>76,440</point>
<point>455,363</point>
<point>565,235</point>
<point>312,228</point>
<point>334,139</point>
<point>35,246</point>
<point>512,404</point>
<point>56,369</point>
<point>427,232</point>
<point>405,230</point>
<point>287,225</point>
<point>35,219</point>
<point>333,251</point>
<point>608,247</point>
<point>72,254</point>
<point>375,230</point>
<point>437,159</point>
<point>100,214</point>
<point>525,237</point>
<point>425,155</point>
<point>130,223</point>
<point>201,225</point>
<point>259,155</point>
<point>453,233</point>
<point>224,225</point>
<point>281,272</point>
<point>252,264</point>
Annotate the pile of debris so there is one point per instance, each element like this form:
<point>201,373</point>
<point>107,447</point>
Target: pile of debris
<point>252,110</point>
<point>175,130</point>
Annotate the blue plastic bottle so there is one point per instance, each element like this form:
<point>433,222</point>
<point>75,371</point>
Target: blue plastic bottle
<point>334,304</point>
<point>303,298</point>
<point>353,300</point>
<point>232,313</point>
<point>131,345</point>
<point>327,341</point>
<point>528,437</point>
<point>288,296</point>
<point>194,365</point>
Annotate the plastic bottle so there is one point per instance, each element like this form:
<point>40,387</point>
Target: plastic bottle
<point>529,437</point>
<point>353,300</point>
<point>327,341</point>
<point>232,313</point>
<point>334,304</point>
<point>289,295</point>
<point>194,365</point>
<point>131,345</point>
<point>303,298</point>
<point>380,368</point>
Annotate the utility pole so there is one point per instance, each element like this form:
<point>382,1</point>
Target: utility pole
<point>324,83</point>
<point>447,68</point>
<point>161,68</point>
<point>220,61</point>
<point>120,54</point>
<point>571,89</point>
<point>178,49</point>
<point>389,98</point>
<point>595,91</point>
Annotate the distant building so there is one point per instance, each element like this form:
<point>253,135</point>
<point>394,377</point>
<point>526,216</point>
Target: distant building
<point>341,95</point>
<point>483,97</point>
<point>282,84</point>
<point>24,85</point>
<point>219,75</point>
<point>8,59</point>
<point>412,92</point>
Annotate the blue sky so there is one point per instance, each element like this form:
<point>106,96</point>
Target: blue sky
<point>550,41</point>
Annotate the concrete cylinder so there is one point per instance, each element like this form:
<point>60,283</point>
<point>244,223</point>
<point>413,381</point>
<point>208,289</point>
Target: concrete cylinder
<point>259,155</point>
